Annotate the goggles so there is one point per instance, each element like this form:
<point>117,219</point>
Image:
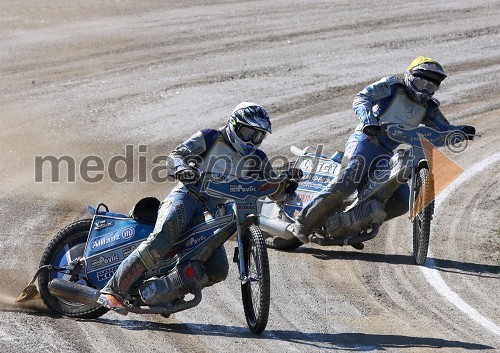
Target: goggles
<point>422,84</point>
<point>247,133</point>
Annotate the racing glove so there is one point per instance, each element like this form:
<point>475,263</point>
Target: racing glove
<point>187,175</point>
<point>372,130</point>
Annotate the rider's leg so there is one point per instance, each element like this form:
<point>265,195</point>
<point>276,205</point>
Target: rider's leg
<point>360,151</point>
<point>322,203</point>
<point>398,204</point>
<point>174,215</point>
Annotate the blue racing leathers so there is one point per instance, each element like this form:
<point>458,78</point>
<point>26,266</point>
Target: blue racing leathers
<point>210,150</point>
<point>386,100</point>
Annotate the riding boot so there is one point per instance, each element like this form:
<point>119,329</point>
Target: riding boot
<point>129,271</point>
<point>314,212</point>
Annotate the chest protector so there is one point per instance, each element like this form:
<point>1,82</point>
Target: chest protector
<point>222,159</point>
<point>402,110</point>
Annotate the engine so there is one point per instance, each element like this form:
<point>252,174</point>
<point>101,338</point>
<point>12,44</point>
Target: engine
<point>180,281</point>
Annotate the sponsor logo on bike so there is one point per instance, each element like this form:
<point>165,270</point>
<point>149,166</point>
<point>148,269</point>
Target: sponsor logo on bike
<point>246,206</point>
<point>241,188</point>
<point>125,234</point>
<point>266,187</point>
<point>104,260</point>
<point>103,224</point>
<point>318,166</point>
<point>107,273</point>
<point>323,179</point>
<point>100,242</point>
<point>128,233</point>
<point>304,198</point>
<point>311,185</point>
<point>128,250</point>
<point>427,136</point>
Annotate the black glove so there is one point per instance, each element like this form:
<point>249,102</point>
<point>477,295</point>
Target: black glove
<point>372,130</point>
<point>187,175</point>
<point>468,130</point>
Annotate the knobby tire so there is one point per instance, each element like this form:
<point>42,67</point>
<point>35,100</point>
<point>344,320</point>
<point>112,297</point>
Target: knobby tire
<point>422,221</point>
<point>256,293</point>
<point>70,240</point>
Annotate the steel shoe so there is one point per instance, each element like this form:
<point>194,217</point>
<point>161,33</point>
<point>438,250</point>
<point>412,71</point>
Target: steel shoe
<point>113,303</point>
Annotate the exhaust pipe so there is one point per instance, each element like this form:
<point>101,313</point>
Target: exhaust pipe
<point>73,292</point>
<point>276,228</point>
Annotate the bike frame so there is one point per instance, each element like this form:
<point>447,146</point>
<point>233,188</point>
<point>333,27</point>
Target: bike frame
<point>113,236</point>
<point>244,193</point>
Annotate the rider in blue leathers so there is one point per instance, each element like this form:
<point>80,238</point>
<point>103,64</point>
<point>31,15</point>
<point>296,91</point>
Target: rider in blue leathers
<point>406,101</point>
<point>231,151</point>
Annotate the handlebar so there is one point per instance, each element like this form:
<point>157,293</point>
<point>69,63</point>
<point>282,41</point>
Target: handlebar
<point>401,134</point>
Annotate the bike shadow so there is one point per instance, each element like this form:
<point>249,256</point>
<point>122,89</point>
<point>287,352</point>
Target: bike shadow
<point>452,266</point>
<point>313,340</point>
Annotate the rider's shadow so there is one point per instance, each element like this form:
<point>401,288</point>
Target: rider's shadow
<point>312,340</point>
<point>466,268</point>
<point>323,254</point>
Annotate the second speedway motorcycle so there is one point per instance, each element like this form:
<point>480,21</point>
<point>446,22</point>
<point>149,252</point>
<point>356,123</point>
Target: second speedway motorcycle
<point>359,217</point>
<point>82,257</point>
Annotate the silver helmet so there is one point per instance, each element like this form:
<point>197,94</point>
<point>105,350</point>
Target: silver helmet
<point>247,127</point>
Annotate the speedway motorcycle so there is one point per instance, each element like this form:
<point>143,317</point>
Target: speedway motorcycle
<point>82,257</point>
<point>360,216</point>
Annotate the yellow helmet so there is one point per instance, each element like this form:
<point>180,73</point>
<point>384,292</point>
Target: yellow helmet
<point>423,77</point>
<point>427,68</point>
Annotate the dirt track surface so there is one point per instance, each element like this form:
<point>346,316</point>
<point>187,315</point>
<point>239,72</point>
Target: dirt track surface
<point>89,77</point>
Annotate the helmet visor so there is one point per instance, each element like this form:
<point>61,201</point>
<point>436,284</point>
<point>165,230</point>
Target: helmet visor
<point>247,133</point>
<point>422,84</point>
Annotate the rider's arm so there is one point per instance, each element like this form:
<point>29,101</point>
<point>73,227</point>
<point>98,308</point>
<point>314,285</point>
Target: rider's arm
<point>368,97</point>
<point>191,150</point>
<point>434,118</point>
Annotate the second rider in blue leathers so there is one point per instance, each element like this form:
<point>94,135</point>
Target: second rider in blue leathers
<point>406,101</point>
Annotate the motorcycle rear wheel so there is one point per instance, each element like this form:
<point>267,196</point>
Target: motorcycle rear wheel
<point>422,220</point>
<point>66,246</point>
<point>256,291</point>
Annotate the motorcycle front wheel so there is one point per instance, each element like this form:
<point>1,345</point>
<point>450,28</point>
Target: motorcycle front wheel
<point>256,289</point>
<point>66,246</point>
<point>422,220</point>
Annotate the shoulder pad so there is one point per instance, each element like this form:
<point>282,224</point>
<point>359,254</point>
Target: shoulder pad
<point>383,87</point>
<point>210,134</point>
<point>394,79</point>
